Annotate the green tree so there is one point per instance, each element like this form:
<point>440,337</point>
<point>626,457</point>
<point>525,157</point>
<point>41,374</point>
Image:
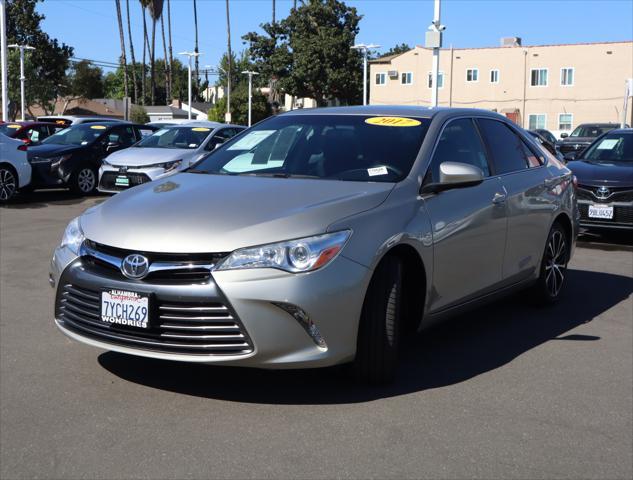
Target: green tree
<point>45,67</point>
<point>138,114</point>
<point>239,106</point>
<point>84,80</point>
<point>397,50</point>
<point>309,52</point>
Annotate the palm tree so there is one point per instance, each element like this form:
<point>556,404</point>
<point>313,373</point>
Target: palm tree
<point>230,57</point>
<point>155,12</point>
<point>171,55</point>
<point>273,11</point>
<point>145,48</point>
<point>129,33</point>
<point>166,70</point>
<point>123,56</point>
<point>195,23</point>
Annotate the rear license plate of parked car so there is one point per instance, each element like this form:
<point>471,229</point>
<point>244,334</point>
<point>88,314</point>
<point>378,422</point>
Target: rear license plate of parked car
<point>130,309</point>
<point>601,211</point>
<point>122,181</point>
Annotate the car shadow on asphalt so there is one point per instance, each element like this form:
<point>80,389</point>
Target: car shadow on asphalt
<point>453,352</point>
<point>45,198</point>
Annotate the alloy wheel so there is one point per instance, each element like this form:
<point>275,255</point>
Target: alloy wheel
<point>8,184</point>
<point>555,263</point>
<point>86,180</point>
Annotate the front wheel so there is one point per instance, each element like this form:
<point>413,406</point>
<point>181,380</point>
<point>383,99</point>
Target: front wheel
<point>8,183</point>
<point>84,181</point>
<point>377,345</point>
<point>553,266</point>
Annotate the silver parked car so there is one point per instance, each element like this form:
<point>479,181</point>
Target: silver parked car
<point>318,237</point>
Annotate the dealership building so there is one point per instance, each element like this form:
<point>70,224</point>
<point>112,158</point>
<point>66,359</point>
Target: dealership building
<point>555,87</point>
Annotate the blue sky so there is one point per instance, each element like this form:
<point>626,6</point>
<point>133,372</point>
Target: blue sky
<point>90,25</point>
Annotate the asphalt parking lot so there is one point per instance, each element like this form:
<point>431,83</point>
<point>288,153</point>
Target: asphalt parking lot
<point>507,391</point>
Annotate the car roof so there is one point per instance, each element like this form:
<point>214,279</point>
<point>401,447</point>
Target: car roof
<point>620,130</point>
<point>598,124</point>
<point>394,110</point>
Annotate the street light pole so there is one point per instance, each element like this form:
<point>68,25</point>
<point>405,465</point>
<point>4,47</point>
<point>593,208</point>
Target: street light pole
<point>434,41</point>
<point>227,115</point>
<point>364,48</point>
<point>22,77</point>
<point>3,60</point>
<point>190,55</point>
<point>250,92</point>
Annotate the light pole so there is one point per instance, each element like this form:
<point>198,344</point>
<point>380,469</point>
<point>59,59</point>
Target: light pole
<point>190,55</point>
<point>227,115</point>
<point>364,48</point>
<point>250,92</point>
<point>3,60</point>
<point>22,77</point>
<point>434,41</point>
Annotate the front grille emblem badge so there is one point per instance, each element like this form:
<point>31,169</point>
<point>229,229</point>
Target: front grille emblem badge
<point>135,266</point>
<point>603,193</point>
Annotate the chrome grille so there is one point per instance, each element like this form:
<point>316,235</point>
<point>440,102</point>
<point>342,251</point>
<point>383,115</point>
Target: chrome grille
<point>616,194</point>
<point>209,328</point>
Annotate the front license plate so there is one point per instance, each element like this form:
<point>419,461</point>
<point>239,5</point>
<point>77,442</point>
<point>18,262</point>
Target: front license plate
<point>601,211</point>
<point>130,309</point>
<point>122,181</point>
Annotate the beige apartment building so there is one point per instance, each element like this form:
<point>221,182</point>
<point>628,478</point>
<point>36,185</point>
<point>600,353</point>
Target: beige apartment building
<point>550,86</point>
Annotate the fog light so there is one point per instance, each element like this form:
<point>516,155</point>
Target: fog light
<point>304,320</point>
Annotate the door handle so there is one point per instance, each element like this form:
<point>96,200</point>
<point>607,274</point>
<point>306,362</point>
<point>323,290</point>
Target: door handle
<point>499,198</point>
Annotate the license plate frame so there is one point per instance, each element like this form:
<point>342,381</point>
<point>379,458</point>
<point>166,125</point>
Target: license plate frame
<point>122,181</point>
<point>601,212</point>
<point>130,314</point>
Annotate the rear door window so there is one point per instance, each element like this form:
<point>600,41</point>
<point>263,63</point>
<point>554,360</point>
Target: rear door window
<point>509,152</point>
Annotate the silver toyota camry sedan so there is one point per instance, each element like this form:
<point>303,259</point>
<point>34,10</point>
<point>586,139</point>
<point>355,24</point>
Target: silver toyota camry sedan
<point>320,237</point>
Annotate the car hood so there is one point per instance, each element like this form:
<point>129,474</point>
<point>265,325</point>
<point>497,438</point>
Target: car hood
<point>137,157</point>
<point>51,149</point>
<point>613,174</point>
<point>196,213</point>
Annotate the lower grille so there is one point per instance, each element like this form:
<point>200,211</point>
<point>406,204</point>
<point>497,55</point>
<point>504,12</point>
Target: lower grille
<point>108,180</point>
<point>192,328</point>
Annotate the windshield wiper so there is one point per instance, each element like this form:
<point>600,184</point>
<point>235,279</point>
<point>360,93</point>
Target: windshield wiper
<point>193,170</point>
<point>281,175</point>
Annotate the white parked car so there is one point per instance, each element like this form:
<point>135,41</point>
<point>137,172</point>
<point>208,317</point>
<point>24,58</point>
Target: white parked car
<point>15,170</point>
<point>165,152</point>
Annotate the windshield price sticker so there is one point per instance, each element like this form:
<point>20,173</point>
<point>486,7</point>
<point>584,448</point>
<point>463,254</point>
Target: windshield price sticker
<point>608,144</point>
<point>98,127</point>
<point>251,140</point>
<point>13,126</point>
<point>200,129</point>
<point>393,122</point>
<point>372,172</point>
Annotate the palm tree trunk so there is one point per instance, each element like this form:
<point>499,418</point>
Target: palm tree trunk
<point>152,57</point>
<point>273,11</point>
<point>195,23</point>
<point>171,56</point>
<point>129,33</point>
<point>166,65</point>
<point>123,56</point>
<point>230,60</point>
<point>145,45</point>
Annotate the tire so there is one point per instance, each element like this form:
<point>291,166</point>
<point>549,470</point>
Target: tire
<point>8,183</point>
<point>551,279</point>
<point>379,329</point>
<point>84,180</point>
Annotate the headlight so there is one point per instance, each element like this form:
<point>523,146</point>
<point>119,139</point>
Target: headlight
<point>302,255</point>
<point>58,159</point>
<point>168,166</point>
<point>73,236</point>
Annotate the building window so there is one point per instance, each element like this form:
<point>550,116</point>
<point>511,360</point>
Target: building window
<point>381,78</point>
<point>494,76</point>
<point>440,80</point>
<point>567,76</point>
<point>407,78</point>
<point>565,121</point>
<point>472,75</point>
<point>539,77</point>
<point>537,120</point>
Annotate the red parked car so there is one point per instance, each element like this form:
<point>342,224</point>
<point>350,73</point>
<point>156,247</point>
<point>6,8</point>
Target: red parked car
<point>29,132</point>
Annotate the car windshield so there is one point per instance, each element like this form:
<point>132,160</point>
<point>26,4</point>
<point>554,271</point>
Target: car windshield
<point>590,131</point>
<point>83,134</point>
<point>616,147</point>
<point>338,147</point>
<point>176,137</point>
<point>9,129</point>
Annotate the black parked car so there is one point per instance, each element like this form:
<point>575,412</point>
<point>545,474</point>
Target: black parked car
<point>605,181</point>
<point>72,157</point>
<point>546,143</point>
<point>581,138</point>
<point>549,136</point>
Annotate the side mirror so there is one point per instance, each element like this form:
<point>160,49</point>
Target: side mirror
<point>112,146</point>
<point>564,135</point>
<point>455,175</point>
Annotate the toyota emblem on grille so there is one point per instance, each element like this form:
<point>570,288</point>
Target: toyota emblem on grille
<point>602,193</point>
<point>135,266</point>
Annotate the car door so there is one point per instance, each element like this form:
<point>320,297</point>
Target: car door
<point>468,224</point>
<point>529,207</point>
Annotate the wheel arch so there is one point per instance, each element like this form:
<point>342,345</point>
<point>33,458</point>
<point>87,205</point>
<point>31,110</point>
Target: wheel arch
<point>564,221</point>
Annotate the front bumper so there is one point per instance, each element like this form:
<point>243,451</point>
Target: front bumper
<point>332,297</point>
<point>136,176</point>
